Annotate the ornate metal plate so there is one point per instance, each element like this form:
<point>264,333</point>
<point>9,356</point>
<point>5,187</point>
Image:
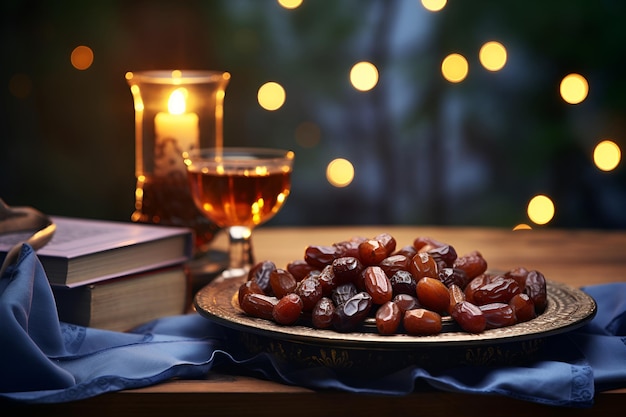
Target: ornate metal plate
<point>568,308</point>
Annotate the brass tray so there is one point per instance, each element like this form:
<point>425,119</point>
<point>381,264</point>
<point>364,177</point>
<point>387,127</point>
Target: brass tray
<point>567,309</point>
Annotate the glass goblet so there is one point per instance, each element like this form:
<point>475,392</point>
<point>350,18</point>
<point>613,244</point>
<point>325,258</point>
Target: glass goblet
<point>239,189</point>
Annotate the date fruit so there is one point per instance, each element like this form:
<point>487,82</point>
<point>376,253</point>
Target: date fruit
<point>282,282</point>
<point>443,255</point>
<point>432,294</point>
<point>247,288</point>
<point>261,274</point>
<point>402,282</point>
<point>406,302</point>
<point>537,290</point>
<point>349,247</point>
<point>421,322</point>
<point>456,296</point>
<point>351,314</point>
<point>377,284</point>
<point>469,317</point>
<point>409,251</point>
<point>288,309</point>
<point>388,242</point>
<point>518,274</point>
<point>395,263</point>
<point>328,280</point>
<point>300,269</point>
<point>495,289</point>
<point>320,256</point>
<point>322,314</point>
<point>426,243</point>
<point>523,306</point>
<point>498,315</point>
<point>423,265</point>
<point>453,276</point>
<point>337,287</point>
<point>473,264</point>
<point>259,305</point>
<point>388,318</point>
<point>347,268</point>
<point>310,291</point>
<point>343,293</point>
<point>372,252</point>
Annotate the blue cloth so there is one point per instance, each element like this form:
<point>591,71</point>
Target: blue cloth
<point>43,360</point>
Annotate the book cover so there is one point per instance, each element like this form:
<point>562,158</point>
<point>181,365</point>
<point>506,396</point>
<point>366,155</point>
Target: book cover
<point>84,251</point>
<point>123,303</point>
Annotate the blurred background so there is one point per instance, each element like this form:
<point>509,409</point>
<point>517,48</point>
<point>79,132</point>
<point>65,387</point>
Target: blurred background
<point>399,111</point>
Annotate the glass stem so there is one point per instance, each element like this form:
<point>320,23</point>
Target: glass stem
<point>240,252</point>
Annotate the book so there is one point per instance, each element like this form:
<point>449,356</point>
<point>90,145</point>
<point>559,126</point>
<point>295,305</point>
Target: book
<point>123,303</point>
<point>84,251</point>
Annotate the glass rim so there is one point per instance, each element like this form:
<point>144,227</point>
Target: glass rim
<point>177,77</point>
<point>204,156</point>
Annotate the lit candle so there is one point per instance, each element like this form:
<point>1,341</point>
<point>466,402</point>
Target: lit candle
<point>175,131</point>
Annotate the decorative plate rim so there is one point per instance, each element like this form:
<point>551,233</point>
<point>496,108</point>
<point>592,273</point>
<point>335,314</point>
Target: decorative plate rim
<point>568,308</point>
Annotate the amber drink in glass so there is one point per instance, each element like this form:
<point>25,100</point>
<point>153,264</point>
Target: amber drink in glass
<point>239,189</point>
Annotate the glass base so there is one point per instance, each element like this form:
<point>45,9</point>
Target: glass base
<point>234,272</point>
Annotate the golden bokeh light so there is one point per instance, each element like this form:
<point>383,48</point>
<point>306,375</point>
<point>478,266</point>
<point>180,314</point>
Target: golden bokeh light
<point>308,134</point>
<point>492,56</point>
<point>434,5</point>
<point>540,209</point>
<point>574,88</point>
<point>271,96</point>
<point>364,76</point>
<point>607,155</point>
<point>340,172</point>
<point>522,226</point>
<point>290,4</point>
<point>454,68</point>
<point>82,57</point>
<point>177,75</point>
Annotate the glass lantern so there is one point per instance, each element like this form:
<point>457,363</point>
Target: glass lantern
<point>175,111</point>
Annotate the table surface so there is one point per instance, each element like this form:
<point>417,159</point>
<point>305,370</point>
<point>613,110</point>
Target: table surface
<point>575,257</point>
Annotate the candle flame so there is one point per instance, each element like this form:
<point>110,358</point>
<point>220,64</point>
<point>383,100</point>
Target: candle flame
<point>177,101</point>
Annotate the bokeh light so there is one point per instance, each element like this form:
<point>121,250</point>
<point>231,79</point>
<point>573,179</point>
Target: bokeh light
<point>434,5</point>
<point>522,226</point>
<point>454,68</point>
<point>574,88</point>
<point>540,209</point>
<point>82,57</point>
<point>607,155</point>
<point>364,76</point>
<point>290,4</point>
<point>492,56</point>
<point>20,85</point>
<point>340,172</point>
<point>271,96</point>
<point>308,134</point>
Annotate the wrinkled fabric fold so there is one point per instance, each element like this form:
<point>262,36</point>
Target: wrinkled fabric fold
<point>43,360</point>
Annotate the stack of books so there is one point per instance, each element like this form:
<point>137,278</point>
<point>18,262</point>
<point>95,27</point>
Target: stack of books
<point>115,275</point>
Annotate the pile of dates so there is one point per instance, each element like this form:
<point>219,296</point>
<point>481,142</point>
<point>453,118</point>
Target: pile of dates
<point>406,290</point>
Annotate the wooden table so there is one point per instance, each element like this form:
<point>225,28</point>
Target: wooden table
<point>575,257</point>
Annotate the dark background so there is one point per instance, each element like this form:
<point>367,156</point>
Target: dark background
<point>425,151</point>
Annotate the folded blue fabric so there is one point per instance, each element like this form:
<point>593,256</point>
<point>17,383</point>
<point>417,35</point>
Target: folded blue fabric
<point>43,360</point>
